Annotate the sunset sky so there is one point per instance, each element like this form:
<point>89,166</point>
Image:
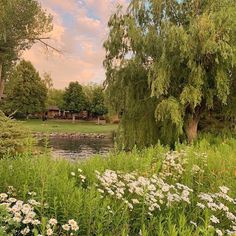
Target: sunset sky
<point>80,28</point>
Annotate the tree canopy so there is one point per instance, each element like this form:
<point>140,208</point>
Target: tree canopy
<point>55,98</point>
<point>74,98</point>
<point>177,55</point>
<point>22,23</point>
<point>26,92</point>
<point>98,107</point>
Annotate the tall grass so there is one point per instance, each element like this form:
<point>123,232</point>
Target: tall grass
<point>58,183</point>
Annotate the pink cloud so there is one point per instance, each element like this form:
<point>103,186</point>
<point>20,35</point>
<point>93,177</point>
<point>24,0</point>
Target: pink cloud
<point>83,53</point>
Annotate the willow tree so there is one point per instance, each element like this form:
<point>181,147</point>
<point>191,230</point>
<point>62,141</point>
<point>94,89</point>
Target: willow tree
<point>22,23</point>
<point>186,51</point>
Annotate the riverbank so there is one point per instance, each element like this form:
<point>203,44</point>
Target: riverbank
<point>91,136</point>
<point>66,127</point>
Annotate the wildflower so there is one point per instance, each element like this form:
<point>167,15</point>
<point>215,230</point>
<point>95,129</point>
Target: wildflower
<point>33,202</point>
<point>52,221</point>
<point>75,227</point>
<point>12,200</point>
<point>72,222</point>
<point>214,219</point>
<point>3,196</point>
<point>82,177</point>
<point>230,216</point>
<point>219,232</point>
<point>49,232</point>
<point>26,208</point>
<point>27,221</point>
<point>224,189</point>
<point>79,170</point>
<point>193,223</point>
<point>36,222</point>
<point>32,193</point>
<point>25,231</point>
<point>72,173</point>
<point>17,219</point>
<point>66,227</point>
<point>100,190</point>
<point>135,201</point>
<point>165,188</point>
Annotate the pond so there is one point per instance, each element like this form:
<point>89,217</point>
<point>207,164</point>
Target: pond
<point>77,148</point>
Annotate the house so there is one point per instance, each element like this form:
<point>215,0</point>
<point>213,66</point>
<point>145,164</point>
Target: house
<point>53,112</point>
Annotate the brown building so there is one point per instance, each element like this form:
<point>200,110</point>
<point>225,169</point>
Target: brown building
<point>53,112</point>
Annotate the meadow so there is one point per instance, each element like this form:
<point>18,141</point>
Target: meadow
<point>154,191</point>
<point>66,126</point>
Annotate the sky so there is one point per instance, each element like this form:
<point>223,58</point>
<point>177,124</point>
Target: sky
<point>80,28</point>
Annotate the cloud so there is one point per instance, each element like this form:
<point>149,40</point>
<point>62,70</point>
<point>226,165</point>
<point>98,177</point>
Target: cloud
<point>79,31</point>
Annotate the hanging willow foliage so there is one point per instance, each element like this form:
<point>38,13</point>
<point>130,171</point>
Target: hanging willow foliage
<point>168,63</point>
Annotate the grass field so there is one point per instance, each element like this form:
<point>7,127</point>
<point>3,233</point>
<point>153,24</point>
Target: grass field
<point>53,126</point>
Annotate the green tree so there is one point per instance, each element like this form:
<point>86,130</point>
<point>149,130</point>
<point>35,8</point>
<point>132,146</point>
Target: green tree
<point>74,98</point>
<point>98,107</point>
<point>55,98</point>
<point>47,79</point>
<point>22,23</point>
<point>26,92</point>
<point>185,52</point>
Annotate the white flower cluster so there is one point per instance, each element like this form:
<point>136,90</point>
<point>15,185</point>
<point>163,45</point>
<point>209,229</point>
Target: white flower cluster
<point>79,174</point>
<point>196,170</point>
<point>23,218</point>
<point>221,206</point>
<point>160,191</point>
<point>133,190</point>
<point>71,226</point>
<point>173,165</point>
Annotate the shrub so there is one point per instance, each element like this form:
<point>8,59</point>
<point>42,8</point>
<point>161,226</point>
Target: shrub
<point>12,136</point>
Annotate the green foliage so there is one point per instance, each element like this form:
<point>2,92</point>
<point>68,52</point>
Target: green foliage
<point>98,107</point>
<point>26,92</point>
<point>13,137</point>
<point>186,52</point>
<point>55,98</point>
<point>68,197</point>
<point>47,80</point>
<point>22,23</point>
<point>74,98</point>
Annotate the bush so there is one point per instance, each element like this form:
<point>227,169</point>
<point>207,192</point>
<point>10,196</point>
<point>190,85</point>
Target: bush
<point>13,137</point>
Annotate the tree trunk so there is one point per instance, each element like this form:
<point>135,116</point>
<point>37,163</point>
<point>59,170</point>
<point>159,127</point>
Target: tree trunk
<point>98,120</point>
<point>73,118</point>
<point>2,82</point>
<point>192,128</point>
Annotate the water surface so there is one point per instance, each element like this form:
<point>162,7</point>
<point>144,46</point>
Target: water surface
<point>77,148</point>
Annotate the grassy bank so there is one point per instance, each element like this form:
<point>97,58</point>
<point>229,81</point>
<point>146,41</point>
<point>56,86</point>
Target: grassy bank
<point>148,192</point>
<point>54,126</point>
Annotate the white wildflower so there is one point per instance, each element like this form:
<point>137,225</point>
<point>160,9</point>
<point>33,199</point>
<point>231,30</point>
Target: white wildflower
<point>66,227</point>
<point>52,221</point>
<point>193,223</point>
<point>214,219</point>
<point>219,232</point>
<point>224,189</point>
<point>49,232</point>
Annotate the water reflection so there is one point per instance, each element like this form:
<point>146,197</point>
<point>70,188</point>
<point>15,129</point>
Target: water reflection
<point>77,148</point>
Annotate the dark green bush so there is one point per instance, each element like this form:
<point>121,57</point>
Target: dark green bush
<point>13,137</point>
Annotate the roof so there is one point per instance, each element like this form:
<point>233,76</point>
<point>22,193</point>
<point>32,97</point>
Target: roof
<point>53,108</point>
